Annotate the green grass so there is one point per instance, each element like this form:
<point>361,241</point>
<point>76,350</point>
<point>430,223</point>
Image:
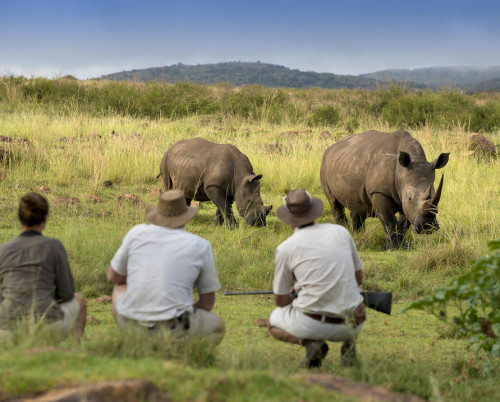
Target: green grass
<point>409,352</point>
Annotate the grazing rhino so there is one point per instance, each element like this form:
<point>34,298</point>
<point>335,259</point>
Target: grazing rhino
<point>376,174</point>
<point>220,173</point>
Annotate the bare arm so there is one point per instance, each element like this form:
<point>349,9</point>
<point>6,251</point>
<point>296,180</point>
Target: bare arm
<point>359,277</point>
<point>115,278</point>
<point>283,300</point>
<point>206,301</point>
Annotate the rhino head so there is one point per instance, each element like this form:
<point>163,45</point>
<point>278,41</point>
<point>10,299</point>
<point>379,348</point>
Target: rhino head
<point>248,202</point>
<point>416,191</point>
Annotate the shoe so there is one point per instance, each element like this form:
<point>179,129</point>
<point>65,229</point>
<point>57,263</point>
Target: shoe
<point>316,351</point>
<point>348,354</point>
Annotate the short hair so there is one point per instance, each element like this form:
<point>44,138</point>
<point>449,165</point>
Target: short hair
<point>33,209</point>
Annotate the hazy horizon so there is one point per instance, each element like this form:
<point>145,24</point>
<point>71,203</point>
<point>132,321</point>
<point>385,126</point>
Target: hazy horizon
<point>93,38</point>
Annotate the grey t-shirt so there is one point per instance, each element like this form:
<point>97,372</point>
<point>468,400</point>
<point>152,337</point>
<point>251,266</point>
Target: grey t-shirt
<point>34,274</point>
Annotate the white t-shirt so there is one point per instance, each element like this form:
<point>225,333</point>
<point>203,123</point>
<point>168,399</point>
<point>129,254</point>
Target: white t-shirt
<point>320,262</point>
<point>163,266</point>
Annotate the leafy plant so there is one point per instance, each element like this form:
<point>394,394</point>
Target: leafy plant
<point>478,292</point>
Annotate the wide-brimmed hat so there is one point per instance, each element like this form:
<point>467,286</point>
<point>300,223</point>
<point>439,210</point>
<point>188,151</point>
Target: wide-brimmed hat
<point>299,208</point>
<point>172,210</point>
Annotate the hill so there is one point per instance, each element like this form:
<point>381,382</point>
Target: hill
<point>245,73</point>
<point>467,78</point>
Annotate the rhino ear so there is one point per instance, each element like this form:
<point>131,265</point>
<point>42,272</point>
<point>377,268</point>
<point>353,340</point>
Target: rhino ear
<point>254,178</point>
<point>404,159</point>
<point>441,161</point>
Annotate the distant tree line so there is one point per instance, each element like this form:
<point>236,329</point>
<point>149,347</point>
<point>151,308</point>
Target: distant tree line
<point>396,105</point>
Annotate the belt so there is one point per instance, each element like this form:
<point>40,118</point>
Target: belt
<point>326,318</point>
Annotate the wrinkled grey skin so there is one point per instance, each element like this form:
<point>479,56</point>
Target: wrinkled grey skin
<point>376,174</point>
<point>220,173</point>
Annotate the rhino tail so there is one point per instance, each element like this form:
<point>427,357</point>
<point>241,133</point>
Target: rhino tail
<point>159,175</point>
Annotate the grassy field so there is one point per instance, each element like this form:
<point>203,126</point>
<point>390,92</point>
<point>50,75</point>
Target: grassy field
<point>411,352</point>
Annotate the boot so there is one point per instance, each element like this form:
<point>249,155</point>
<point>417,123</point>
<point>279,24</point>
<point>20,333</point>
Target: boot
<point>348,354</point>
<point>316,351</point>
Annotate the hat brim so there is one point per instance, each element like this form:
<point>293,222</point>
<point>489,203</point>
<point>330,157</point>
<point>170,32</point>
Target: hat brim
<point>299,220</point>
<point>172,222</point>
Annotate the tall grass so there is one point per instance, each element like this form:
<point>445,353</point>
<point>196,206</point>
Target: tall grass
<point>63,156</point>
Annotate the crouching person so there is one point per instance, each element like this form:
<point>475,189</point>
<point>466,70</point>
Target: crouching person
<point>156,270</point>
<point>36,282</point>
<point>317,277</point>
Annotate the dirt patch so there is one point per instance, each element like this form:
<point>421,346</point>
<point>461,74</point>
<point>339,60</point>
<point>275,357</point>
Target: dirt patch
<point>365,392</point>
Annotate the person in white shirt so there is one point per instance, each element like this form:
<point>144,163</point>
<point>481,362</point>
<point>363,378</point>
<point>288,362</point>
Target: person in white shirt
<point>317,280</point>
<point>156,270</point>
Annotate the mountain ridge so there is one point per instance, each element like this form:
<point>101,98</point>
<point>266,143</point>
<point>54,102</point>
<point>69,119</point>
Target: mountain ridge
<point>240,73</point>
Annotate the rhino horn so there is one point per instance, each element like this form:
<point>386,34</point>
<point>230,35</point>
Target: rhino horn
<point>437,195</point>
<point>427,194</point>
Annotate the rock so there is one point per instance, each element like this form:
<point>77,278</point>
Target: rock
<point>108,183</point>
<point>135,136</point>
<point>132,198</point>
<point>3,138</point>
<point>104,299</point>
<point>155,192</point>
<point>196,204</point>
<point>66,201</point>
<point>480,146</point>
<point>22,141</point>
<point>44,189</point>
<point>325,135</point>
<point>92,198</point>
<point>67,139</point>
<point>125,391</point>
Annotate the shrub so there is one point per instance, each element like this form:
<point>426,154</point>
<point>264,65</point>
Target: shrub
<point>324,115</point>
<point>478,292</point>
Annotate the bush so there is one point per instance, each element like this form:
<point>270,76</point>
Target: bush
<point>324,115</point>
<point>478,292</point>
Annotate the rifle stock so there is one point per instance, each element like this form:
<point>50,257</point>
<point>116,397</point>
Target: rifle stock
<point>379,301</point>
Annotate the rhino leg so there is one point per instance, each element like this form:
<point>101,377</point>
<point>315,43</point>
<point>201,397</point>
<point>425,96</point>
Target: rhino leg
<point>338,212</point>
<point>403,224</point>
<point>385,213</point>
<point>224,214</point>
<point>358,222</point>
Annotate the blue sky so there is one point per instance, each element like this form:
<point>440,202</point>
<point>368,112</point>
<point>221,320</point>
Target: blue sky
<point>94,37</point>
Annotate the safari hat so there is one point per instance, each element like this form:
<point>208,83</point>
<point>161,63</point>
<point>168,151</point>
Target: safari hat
<point>299,208</point>
<point>172,210</point>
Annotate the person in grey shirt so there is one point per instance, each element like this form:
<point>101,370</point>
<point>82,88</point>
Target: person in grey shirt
<point>35,278</point>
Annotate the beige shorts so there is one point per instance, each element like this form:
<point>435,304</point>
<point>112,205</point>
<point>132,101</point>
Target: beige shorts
<point>296,323</point>
<point>71,311</point>
<point>201,323</point>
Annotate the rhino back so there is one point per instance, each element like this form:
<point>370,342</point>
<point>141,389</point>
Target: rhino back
<point>196,163</point>
<point>360,165</point>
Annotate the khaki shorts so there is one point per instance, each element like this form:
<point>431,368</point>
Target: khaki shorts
<point>296,323</point>
<point>201,323</point>
<point>71,311</point>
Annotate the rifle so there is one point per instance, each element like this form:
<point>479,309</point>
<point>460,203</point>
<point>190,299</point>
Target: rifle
<point>379,301</point>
